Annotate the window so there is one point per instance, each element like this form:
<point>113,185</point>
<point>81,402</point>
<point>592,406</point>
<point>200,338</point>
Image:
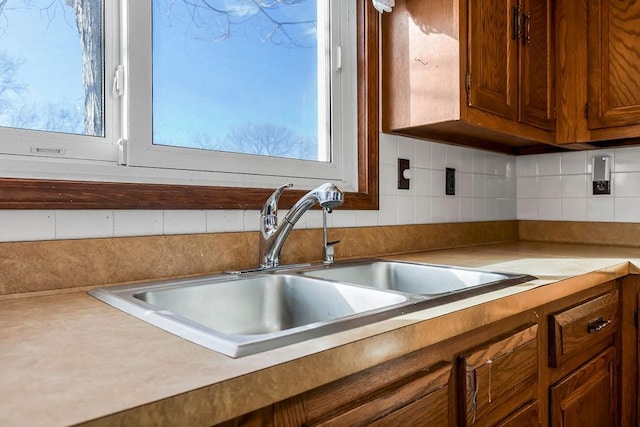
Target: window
<point>152,151</point>
<point>52,73</point>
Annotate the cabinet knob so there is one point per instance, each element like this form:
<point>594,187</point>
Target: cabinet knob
<point>597,325</point>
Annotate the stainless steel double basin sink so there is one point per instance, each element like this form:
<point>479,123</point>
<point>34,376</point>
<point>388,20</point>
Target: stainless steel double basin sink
<point>241,314</point>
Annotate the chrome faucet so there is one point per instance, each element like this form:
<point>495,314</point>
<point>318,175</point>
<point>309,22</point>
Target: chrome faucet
<point>272,236</point>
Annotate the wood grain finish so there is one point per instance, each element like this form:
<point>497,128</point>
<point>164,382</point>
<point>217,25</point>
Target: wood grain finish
<point>64,194</point>
<point>527,416</point>
<point>537,82</point>
<point>588,395</point>
<point>497,379</point>
<point>398,392</point>
<point>492,57</point>
<point>427,48</point>
<point>614,75</point>
<point>572,331</point>
<point>570,73</point>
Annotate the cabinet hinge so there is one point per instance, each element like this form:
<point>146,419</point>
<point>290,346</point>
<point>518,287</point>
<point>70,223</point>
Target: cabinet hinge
<point>635,318</point>
<point>468,81</point>
<point>586,110</point>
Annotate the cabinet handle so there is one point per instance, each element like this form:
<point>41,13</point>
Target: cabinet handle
<point>597,325</point>
<point>515,23</point>
<point>526,23</point>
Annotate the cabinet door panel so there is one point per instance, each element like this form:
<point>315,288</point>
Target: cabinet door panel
<point>587,396</point>
<point>427,392</point>
<point>613,55</point>
<point>497,379</point>
<point>537,102</point>
<point>492,56</point>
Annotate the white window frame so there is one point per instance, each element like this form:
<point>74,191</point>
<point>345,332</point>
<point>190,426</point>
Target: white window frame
<point>23,144</point>
<point>128,129</point>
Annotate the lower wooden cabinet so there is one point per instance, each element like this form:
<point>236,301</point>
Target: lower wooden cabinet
<point>393,394</point>
<point>498,378</point>
<point>555,365</point>
<point>587,397</point>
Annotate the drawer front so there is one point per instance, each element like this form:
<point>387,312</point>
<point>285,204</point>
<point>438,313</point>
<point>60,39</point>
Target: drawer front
<point>578,327</point>
<point>497,379</point>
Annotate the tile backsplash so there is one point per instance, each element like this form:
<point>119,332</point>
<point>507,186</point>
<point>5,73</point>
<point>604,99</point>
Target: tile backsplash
<point>489,187</point>
<point>485,191</point>
<point>558,187</point>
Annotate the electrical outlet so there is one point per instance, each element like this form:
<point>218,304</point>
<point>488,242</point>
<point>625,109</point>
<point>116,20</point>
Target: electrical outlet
<point>450,182</point>
<point>403,177</point>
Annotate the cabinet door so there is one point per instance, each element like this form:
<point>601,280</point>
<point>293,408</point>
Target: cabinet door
<point>400,392</point>
<point>536,55</point>
<point>497,379</point>
<point>613,50</point>
<point>587,396</point>
<point>492,81</point>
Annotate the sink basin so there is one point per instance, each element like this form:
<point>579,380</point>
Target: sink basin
<point>247,313</point>
<point>244,315</point>
<point>424,279</point>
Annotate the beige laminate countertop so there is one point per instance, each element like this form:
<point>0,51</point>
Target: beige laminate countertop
<point>69,358</point>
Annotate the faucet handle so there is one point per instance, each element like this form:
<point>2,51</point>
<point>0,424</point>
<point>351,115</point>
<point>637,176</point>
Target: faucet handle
<point>269,212</point>
<point>271,205</point>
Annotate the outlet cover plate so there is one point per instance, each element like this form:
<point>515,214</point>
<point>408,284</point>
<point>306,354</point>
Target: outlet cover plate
<point>450,182</point>
<point>403,183</point>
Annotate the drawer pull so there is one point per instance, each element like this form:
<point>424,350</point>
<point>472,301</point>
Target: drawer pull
<point>597,325</point>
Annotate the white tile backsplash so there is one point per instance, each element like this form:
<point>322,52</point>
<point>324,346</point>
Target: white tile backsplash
<point>138,223</point>
<point>80,223</point>
<point>19,225</point>
<point>577,202</point>
<point>489,186</point>
<point>185,222</point>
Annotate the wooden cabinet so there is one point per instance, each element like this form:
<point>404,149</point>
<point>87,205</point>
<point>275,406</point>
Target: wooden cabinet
<point>597,74</point>
<point>400,392</point>
<point>473,72</point>
<point>499,378</point>
<point>509,60</point>
<point>613,48</point>
<point>587,396</point>
<point>575,329</point>
<point>557,364</point>
<point>508,75</point>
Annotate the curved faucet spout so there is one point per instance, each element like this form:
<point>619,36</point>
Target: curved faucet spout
<point>272,236</point>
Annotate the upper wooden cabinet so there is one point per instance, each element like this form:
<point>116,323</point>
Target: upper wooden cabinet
<point>597,75</point>
<point>510,67</point>
<point>508,75</point>
<point>474,72</point>
<point>613,63</point>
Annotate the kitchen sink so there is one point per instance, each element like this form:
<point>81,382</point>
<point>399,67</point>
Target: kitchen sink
<point>250,312</point>
<point>239,315</point>
<point>425,279</point>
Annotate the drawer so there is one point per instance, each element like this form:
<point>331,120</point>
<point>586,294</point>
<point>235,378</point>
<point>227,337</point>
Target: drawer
<point>576,328</point>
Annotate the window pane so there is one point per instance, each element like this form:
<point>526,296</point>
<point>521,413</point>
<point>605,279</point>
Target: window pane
<point>51,66</point>
<point>242,76</point>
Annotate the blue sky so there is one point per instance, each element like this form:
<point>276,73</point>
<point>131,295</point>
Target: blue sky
<point>201,85</point>
<point>50,51</point>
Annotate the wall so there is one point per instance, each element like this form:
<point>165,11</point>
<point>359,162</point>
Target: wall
<point>557,187</point>
<point>486,191</point>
